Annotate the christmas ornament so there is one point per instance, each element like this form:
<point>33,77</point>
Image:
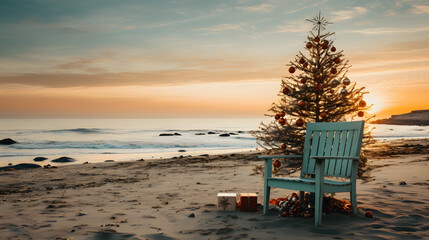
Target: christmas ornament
<point>304,80</point>
<point>325,44</point>
<point>362,103</point>
<point>309,45</point>
<point>301,61</point>
<point>283,146</point>
<point>305,65</point>
<point>318,78</point>
<point>333,70</point>
<point>291,69</point>
<point>277,117</point>
<point>277,164</point>
<point>360,114</point>
<point>316,39</point>
<point>282,121</point>
<point>343,91</point>
<point>346,81</point>
<point>286,91</point>
<point>333,49</point>
<point>318,87</point>
<point>300,122</point>
<point>335,83</point>
<point>369,214</point>
<point>282,114</point>
<point>332,91</point>
<point>323,115</point>
<point>337,60</point>
<point>301,104</point>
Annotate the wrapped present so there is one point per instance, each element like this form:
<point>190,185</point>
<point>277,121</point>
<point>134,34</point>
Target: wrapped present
<point>226,201</point>
<point>248,202</point>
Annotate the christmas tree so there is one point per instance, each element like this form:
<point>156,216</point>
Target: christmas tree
<point>316,90</point>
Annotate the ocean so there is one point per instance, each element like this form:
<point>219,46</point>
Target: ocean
<point>96,140</point>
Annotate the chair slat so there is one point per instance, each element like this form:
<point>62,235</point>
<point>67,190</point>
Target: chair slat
<point>313,151</point>
<point>335,148</point>
<point>306,154</point>
<point>342,146</point>
<point>328,150</point>
<point>326,126</point>
<point>347,153</point>
<point>357,138</point>
<point>322,142</point>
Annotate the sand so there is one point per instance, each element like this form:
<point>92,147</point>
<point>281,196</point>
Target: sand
<point>153,199</point>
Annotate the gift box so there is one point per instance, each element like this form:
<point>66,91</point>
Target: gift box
<point>226,201</point>
<point>248,202</point>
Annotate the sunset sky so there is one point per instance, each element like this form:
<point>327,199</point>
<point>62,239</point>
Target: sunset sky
<point>188,58</point>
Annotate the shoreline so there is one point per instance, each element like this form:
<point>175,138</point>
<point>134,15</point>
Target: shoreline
<point>153,199</point>
<point>377,149</point>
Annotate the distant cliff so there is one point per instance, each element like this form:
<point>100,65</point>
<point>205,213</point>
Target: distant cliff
<point>418,117</point>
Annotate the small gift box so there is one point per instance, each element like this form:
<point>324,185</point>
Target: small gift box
<point>248,202</point>
<point>226,201</point>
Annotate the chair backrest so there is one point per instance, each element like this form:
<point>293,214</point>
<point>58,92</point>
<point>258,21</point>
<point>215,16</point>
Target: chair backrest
<point>333,139</point>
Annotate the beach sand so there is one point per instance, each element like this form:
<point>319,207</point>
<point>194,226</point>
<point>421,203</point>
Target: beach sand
<point>153,199</point>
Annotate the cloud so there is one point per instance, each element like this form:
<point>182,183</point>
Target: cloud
<point>150,78</point>
<point>420,9</point>
<point>373,31</point>
<point>390,59</point>
<point>293,26</point>
<point>86,62</point>
<point>339,16</point>
<point>261,8</point>
<point>309,6</point>
<point>224,27</point>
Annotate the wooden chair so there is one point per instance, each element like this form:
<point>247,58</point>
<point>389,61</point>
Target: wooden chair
<point>331,149</point>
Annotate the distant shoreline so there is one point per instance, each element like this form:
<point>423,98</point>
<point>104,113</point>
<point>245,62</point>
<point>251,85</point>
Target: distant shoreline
<point>418,117</point>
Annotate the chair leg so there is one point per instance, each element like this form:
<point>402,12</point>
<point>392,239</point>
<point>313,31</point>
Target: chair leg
<point>353,200</point>
<point>318,208</point>
<point>301,197</point>
<point>267,190</point>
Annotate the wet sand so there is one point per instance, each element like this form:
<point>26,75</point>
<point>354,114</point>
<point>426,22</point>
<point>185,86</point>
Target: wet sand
<point>153,199</point>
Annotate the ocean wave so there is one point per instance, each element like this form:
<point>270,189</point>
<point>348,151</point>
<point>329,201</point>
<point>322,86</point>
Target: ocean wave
<point>126,145</point>
<point>77,130</point>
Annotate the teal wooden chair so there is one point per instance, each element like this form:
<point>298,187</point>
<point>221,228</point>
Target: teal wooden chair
<point>331,149</point>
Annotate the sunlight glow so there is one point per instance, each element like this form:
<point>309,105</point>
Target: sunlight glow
<point>377,101</point>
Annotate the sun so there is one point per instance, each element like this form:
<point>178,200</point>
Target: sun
<point>376,100</point>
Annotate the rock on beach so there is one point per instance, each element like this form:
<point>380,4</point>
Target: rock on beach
<point>7,141</point>
<point>64,160</point>
<point>39,159</point>
<point>20,166</point>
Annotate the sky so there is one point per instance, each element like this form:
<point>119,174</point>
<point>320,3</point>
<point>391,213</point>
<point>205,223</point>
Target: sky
<point>186,58</point>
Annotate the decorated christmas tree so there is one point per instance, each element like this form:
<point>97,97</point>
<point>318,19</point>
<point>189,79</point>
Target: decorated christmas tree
<point>317,89</point>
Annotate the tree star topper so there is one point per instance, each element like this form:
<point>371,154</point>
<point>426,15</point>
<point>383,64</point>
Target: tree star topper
<point>319,23</point>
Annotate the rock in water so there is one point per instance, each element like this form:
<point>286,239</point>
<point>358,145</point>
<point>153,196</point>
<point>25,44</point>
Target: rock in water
<point>166,134</point>
<point>177,134</point>
<point>39,159</point>
<point>192,215</point>
<point>182,150</point>
<point>211,133</point>
<point>20,166</point>
<point>64,160</point>
<point>7,141</point>
<point>224,135</point>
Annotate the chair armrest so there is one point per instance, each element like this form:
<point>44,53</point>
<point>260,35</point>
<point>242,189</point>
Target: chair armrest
<point>333,157</point>
<point>269,163</point>
<point>280,156</point>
